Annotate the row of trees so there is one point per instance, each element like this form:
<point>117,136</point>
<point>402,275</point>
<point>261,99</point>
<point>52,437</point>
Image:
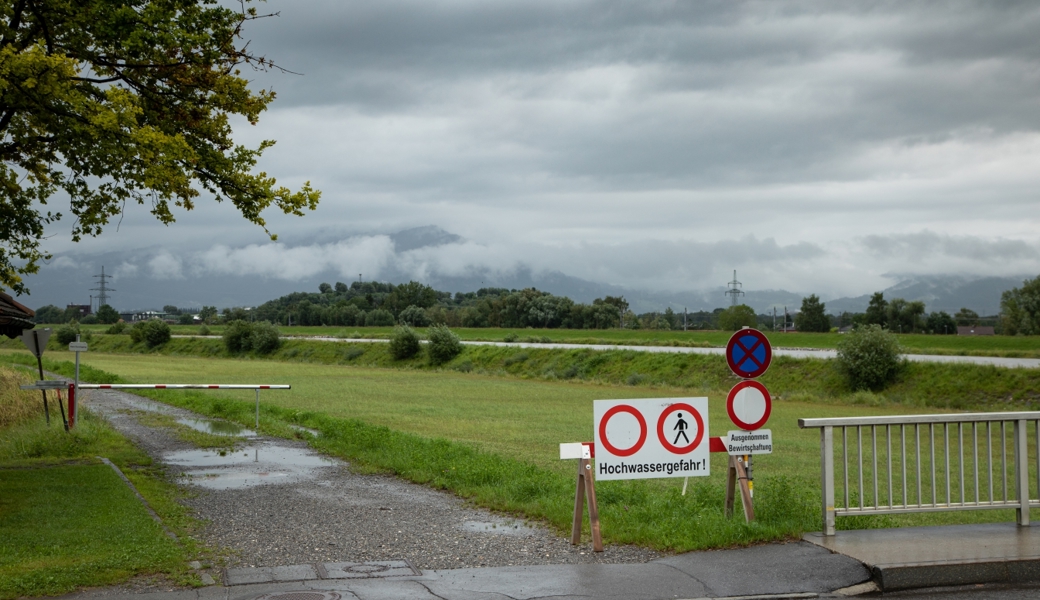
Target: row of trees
<point>419,305</point>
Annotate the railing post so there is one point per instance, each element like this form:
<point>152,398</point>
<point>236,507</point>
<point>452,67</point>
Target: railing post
<point>1022,472</point>
<point>827,476</point>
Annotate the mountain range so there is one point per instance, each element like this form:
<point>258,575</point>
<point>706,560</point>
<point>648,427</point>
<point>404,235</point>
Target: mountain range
<point>71,279</point>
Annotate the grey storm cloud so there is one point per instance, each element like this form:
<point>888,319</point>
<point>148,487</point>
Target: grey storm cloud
<point>650,95</point>
<point>812,145</point>
<point>928,244</point>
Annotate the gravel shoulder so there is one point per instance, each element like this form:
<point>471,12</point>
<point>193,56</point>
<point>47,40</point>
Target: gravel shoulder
<point>291,506</point>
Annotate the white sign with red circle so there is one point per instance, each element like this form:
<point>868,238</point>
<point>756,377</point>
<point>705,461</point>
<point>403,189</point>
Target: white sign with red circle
<point>749,405</point>
<point>645,439</point>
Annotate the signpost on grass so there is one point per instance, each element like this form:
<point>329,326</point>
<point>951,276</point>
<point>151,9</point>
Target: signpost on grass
<point>748,404</point>
<point>76,347</point>
<point>36,341</point>
<point>586,490</point>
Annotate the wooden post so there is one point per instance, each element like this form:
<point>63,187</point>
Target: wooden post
<point>737,475</point>
<point>586,490</point>
<point>579,504</point>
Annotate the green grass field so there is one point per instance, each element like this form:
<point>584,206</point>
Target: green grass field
<point>999,345</point>
<point>66,519</point>
<point>495,440</point>
<point>958,386</point>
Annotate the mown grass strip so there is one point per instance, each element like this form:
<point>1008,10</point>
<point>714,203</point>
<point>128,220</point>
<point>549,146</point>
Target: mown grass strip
<point>938,385</point>
<point>68,521</point>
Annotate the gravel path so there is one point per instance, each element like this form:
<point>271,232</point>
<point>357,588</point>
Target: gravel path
<point>288,506</point>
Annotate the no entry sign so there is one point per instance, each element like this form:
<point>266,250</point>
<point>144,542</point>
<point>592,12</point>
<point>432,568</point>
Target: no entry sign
<point>644,439</point>
<point>748,353</point>
<point>749,405</point>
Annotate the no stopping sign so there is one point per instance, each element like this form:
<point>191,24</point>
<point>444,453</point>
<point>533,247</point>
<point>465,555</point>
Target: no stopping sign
<point>749,405</point>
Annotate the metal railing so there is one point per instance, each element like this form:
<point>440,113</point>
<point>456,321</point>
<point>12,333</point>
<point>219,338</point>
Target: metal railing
<point>924,463</point>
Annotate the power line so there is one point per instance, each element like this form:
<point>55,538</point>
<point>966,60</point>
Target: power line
<point>734,290</point>
<point>103,288</point>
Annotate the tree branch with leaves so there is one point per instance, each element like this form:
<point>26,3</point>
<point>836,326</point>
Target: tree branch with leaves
<point>116,102</point>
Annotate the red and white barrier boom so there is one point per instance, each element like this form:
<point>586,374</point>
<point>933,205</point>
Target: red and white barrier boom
<point>182,386</point>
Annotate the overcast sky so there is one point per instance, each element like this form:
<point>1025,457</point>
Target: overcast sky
<point>823,147</point>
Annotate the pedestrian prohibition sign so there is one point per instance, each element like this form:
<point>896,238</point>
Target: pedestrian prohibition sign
<point>643,439</point>
<point>748,353</point>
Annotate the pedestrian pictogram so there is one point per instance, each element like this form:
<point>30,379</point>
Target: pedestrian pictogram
<point>679,427</point>
<point>748,353</point>
<point>626,448</point>
<point>749,405</point>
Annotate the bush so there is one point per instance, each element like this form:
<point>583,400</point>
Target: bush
<point>238,336</point>
<point>404,343</point>
<point>89,320</point>
<point>153,333</point>
<point>414,316</point>
<point>443,344</point>
<point>265,338</point>
<point>511,337</point>
<point>156,333</point>
<point>116,329</point>
<point>868,357</point>
<point>379,318</point>
<point>66,334</point>
<point>203,330</point>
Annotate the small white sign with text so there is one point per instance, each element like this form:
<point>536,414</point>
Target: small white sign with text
<point>739,443</point>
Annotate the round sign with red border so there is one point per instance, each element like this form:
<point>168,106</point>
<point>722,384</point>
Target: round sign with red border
<point>761,412</point>
<point>603,430</point>
<point>748,353</point>
<point>664,438</point>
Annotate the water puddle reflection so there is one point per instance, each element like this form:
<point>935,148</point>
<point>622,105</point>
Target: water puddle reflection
<point>217,427</point>
<point>227,469</point>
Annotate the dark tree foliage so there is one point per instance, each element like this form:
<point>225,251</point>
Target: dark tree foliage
<point>812,317</point>
<point>941,323</point>
<point>117,102</point>
<point>877,310</point>
<point>107,315</point>
<point>1020,309</point>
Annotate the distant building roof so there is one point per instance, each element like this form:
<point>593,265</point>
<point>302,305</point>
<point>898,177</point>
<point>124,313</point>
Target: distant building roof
<point>975,330</point>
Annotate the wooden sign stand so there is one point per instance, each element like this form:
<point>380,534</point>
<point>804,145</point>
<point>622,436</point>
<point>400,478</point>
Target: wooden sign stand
<point>738,474</point>
<point>586,488</point>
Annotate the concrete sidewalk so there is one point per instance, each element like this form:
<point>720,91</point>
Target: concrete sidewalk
<point>796,569</point>
<point>915,557</point>
<point>852,562</point>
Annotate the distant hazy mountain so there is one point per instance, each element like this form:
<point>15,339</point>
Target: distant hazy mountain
<point>69,280</point>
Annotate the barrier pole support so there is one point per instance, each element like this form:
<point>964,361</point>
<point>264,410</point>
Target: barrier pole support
<point>72,405</point>
<point>731,484</point>
<point>258,410</point>
<point>579,505</point>
<point>590,493</point>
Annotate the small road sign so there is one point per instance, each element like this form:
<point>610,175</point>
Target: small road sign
<point>50,384</point>
<point>748,353</point>
<point>743,443</point>
<point>749,405</point>
<point>644,439</point>
<point>36,340</point>
<point>77,346</point>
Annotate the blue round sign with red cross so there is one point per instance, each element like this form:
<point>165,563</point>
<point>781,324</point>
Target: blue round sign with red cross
<point>748,353</point>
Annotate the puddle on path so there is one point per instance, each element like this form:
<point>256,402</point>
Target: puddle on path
<point>512,528</point>
<point>266,464</point>
<point>217,427</point>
